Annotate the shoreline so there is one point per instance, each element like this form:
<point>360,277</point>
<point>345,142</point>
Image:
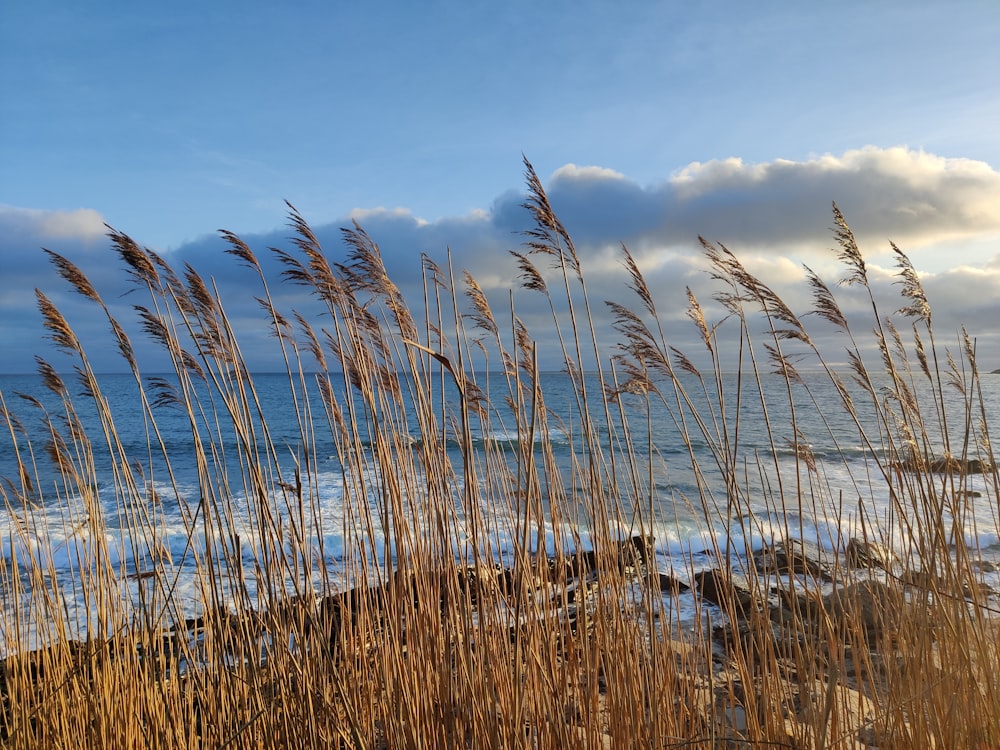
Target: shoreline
<point>782,601</point>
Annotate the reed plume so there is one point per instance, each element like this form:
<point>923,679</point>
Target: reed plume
<point>489,570</point>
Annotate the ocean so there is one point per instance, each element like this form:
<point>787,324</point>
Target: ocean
<point>740,481</point>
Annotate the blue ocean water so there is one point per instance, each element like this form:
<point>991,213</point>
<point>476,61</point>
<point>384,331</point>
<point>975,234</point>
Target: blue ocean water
<point>741,478</point>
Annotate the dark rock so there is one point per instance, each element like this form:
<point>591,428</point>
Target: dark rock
<point>977,466</point>
<point>944,465</point>
<point>985,566</point>
<point>797,608</point>
<point>634,552</point>
<point>870,605</point>
<point>977,590</point>
<point>865,554</point>
<point>672,585</point>
<point>785,637</point>
<point>925,580</point>
<point>637,551</point>
<point>793,557</point>
<point>732,593</point>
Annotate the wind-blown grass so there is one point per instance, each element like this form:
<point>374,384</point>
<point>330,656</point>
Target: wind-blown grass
<point>488,600</point>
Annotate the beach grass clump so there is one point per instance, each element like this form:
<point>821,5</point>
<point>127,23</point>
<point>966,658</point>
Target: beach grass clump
<point>479,592</point>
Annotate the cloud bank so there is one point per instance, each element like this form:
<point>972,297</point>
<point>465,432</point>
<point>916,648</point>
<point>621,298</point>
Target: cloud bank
<point>912,196</point>
<point>945,212</point>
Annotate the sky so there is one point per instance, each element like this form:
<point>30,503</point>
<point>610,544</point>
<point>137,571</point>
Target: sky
<point>649,124</point>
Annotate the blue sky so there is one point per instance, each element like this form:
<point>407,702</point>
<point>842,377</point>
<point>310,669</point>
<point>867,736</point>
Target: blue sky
<point>649,123</point>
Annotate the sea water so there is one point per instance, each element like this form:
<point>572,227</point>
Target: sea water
<point>733,484</point>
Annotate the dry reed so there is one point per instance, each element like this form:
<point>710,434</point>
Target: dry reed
<point>460,629</point>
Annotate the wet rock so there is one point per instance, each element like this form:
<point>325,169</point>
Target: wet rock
<point>864,554</point>
<point>944,465</point>
<point>728,591</point>
<point>985,566</point>
<point>672,585</point>
<point>977,466</point>
<point>929,581</point>
<point>637,552</point>
<point>793,557</point>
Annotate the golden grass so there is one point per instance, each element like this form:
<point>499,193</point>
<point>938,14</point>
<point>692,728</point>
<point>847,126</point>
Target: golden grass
<point>435,644</point>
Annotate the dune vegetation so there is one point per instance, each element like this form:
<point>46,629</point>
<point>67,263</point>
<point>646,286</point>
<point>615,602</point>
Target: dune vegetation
<point>490,595</point>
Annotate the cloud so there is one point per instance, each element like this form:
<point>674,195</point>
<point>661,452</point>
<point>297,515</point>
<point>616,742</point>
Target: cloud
<point>82,224</point>
<point>965,296</point>
<point>26,230</point>
<point>77,234</point>
<point>908,195</point>
<point>774,216</point>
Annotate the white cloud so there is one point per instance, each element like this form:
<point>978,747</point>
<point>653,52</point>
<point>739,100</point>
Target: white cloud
<point>381,213</point>
<point>574,172</point>
<point>699,178</point>
<point>81,224</point>
<point>910,196</point>
<point>774,216</point>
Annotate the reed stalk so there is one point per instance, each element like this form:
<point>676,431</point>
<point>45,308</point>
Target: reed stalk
<point>477,593</point>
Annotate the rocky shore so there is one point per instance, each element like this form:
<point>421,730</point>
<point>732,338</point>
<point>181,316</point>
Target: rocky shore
<point>811,627</point>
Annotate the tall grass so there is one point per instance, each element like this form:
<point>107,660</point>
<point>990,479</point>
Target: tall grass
<point>494,599</point>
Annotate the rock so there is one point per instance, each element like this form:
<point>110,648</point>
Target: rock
<point>865,554</point>
<point>725,590</point>
<point>869,605</point>
<point>929,581</point>
<point>946,464</point>
<point>977,590</point>
<point>637,551</point>
<point>985,566</point>
<point>977,466</point>
<point>921,579</point>
<point>634,552</point>
<point>843,714</point>
<point>883,733</point>
<point>682,651</point>
<point>672,585</point>
<point>793,557</point>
